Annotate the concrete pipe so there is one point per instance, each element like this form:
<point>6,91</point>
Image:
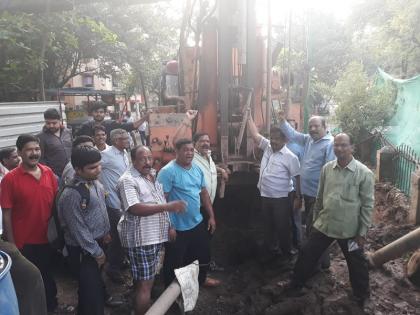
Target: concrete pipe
<point>165,300</point>
<point>397,248</point>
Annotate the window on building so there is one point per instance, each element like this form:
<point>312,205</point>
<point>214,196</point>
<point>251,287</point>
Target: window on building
<point>87,80</point>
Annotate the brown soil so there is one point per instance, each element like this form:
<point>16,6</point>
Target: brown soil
<point>249,281</point>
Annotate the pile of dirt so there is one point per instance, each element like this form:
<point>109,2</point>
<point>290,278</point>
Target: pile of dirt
<point>391,205</point>
<point>389,217</point>
<point>250,284</point>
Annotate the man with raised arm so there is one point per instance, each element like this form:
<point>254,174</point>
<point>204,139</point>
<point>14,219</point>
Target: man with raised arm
<point>278,166</point>
<point>318,150</point>
<point>98,112</point>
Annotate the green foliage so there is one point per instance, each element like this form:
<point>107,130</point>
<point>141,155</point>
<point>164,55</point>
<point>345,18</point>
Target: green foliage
<point>18,56</point>
<point>151,35</point>
<point>126,45</point>
<point>68,40</point>
<point>362,105</point>
<point>386,34</point>
<point>321,94</point>
<point>321,45</point>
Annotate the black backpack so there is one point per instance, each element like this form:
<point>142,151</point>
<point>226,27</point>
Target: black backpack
<point>55,233</point>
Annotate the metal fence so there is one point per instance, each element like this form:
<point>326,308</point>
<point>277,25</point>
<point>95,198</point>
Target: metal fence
<point>21,117</point>
<point>405,163</point>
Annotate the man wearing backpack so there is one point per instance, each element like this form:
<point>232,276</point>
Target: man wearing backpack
<point>83,216</point>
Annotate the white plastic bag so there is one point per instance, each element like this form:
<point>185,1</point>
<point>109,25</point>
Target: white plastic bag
<point>188,280</point>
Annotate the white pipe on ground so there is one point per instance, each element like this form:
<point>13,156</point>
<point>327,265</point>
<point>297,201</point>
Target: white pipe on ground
<point>165,300</point>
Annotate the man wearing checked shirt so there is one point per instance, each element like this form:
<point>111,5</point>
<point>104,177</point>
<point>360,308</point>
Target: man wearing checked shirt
<point>342,212</point>
<point>144,226</point>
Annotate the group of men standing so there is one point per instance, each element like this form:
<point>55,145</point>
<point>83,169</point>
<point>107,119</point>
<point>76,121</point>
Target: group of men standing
<point>111,204</point>
<point>338,195</point>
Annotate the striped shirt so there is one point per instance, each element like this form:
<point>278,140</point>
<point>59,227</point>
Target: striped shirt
<point>137,230</point>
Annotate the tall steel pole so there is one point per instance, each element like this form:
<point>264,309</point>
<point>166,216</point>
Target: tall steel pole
<point>269,66</point>
<point>289,95</point>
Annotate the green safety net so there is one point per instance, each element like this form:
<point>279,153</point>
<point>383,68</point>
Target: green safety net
<point>404,126</point>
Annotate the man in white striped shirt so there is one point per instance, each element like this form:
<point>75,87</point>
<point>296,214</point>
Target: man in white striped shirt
<point>145,224</point>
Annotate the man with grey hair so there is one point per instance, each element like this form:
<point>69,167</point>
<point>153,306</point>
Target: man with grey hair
<point>115,161</point>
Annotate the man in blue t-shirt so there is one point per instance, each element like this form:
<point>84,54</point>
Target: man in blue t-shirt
<point>183,180</point>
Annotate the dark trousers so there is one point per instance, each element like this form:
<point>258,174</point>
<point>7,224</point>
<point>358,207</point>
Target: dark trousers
<point>189,245</point>
<point>324,261</point>
<point>312,251</point>
<point>27,281</point>
<point>277,223</point>
<point>143,137</point>
<point>308,218</point>
<point>206,221</point>
<point>115,252</point>
<point>41,256</point>
<point>296,222</point>
<point>91,291</point>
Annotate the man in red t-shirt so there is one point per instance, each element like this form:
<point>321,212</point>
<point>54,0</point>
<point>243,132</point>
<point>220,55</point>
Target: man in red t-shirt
<point>27,197</point>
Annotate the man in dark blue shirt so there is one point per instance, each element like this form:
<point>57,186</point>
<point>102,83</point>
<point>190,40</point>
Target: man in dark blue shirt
<point>85,222</point>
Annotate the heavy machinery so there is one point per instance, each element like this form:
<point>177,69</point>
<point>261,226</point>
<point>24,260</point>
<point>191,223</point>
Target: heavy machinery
<point>221,76</point>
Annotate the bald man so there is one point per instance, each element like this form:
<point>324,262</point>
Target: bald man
<point>145,223</point>
<point>317,151</point>
<point>342,212</point>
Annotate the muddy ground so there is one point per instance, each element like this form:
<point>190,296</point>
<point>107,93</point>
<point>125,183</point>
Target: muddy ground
<point>249,280</point>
